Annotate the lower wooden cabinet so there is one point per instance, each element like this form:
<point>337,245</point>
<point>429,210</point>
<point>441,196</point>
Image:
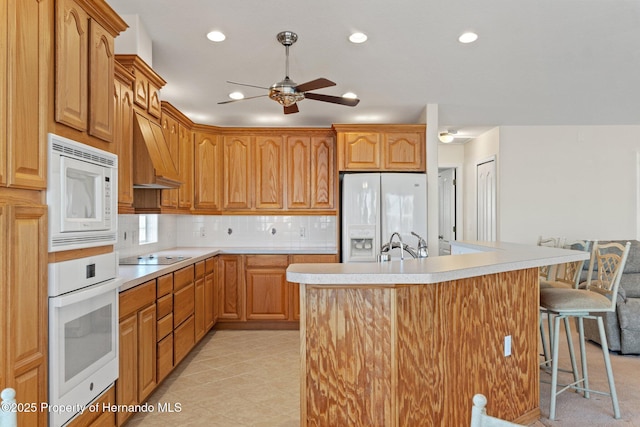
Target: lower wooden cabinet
<point>267,290</point>
<point>232,289</point>
<point>137,375</point>
<point>183,339</point>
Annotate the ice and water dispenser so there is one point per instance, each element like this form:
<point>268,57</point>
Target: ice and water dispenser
<point>362,243</point>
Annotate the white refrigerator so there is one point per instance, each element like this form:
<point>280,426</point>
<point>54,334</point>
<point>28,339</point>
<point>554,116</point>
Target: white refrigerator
<point>376,205</point>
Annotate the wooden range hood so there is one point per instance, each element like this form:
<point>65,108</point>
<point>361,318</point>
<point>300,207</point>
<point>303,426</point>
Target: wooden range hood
<point>153,166</point>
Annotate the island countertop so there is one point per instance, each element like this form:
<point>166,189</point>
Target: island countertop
<point>483,258</point>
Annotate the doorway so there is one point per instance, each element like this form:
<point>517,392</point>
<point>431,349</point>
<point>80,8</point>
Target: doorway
<point>486,204</point>
<point>447,217</point>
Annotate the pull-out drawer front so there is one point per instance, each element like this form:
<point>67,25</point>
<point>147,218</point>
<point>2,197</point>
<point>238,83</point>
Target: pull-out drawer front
<point>183,302</point>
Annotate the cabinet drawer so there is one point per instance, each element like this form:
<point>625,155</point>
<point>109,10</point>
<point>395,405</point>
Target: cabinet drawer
<point>136,298</point>
<point>183,304</point>
<point>165,327</point>
<point>199,269</point>
<point>182,277</point>
<point>165,357</point>
<point>164,305</point>
<point>165,285</point>
<point>267,261</point>
<point>184,339</point>
<point>210,264</point>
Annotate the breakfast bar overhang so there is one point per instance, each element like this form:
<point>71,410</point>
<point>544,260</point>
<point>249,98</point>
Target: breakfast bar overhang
<point>408,343</point>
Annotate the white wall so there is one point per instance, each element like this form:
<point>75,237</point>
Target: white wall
<point>568,181</point>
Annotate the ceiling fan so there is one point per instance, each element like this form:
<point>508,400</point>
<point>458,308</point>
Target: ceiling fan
<point>287,92</point>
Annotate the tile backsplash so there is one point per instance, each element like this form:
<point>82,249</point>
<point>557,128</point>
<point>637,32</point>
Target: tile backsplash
<point>230,231</point>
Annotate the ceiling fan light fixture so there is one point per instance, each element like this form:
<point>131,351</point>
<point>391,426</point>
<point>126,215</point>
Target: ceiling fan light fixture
<point>236,95</point>
<point>350,95</point>
<point>447,136</point>
<point>358,38</point>
<point>216,36</point>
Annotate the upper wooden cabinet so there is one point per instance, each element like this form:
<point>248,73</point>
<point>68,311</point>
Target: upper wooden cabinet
<point>381,147</point>
<point>123,137</point>
<point>177,132</point>
<point>25,51</point>
<point>85,33</point>
<point>311,172</point>
<point>147,84</point>
<point>207,179</point>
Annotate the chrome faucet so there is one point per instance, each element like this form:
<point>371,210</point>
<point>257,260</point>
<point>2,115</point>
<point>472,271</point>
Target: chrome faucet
<point>401,244</point>
<point>423,252</point>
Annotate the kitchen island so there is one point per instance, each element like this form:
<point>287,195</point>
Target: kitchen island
<point>408,343</point>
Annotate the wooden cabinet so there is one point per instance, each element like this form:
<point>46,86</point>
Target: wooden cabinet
<point>268,174</point>
<point>23,298</point>
<point>294,288</point>
<point>25,49</point>
<point>164,330</point>
<point>98,417</point>
<point>267,290</point>
<point>177,132</point>
<point>237,172</point>
<point>146,86</point>
<point>199,320</point>
<point>85,67</point>
<point>232,287</point>
<point>207,179</point>
<point>137,376</point>
<point>210,294</point>
<point>123,137</point>
<point>381,147</point>
<point>311,172</point>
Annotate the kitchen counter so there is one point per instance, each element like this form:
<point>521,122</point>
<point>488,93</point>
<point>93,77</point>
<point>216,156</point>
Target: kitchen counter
<point>481,258</point>
<point>422,336</point>
<point>134,275</point>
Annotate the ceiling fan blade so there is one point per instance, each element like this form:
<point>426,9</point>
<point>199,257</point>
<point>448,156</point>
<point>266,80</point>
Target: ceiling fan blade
<point>314,84</point>
<point>350,102</point>
<point>244,84</point>
<point>293,108</point>
<point>243,99</point>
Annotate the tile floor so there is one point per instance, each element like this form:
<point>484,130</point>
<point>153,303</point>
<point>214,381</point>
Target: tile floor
<point>232,378</point>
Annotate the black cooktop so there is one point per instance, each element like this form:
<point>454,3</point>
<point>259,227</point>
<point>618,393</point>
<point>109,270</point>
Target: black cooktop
<point>153,259</point>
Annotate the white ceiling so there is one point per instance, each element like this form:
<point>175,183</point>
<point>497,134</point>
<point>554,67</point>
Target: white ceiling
<point>536,62</point>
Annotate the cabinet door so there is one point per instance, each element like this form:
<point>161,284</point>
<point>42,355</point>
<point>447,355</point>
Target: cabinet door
<point>101,65</point>
<point>323,173</point>
<point>404,151</point>
<point>231,280</point>
<point>23,282</point>
<point>298,172</point>
<point>27,29</point>
<point>185,166</point>
<point>155,107</point>
<point>360,151</point>
<point>208,172</point>
<point>237,172</point>
<point>72,59</point>
<point>210,308</point>
<point>127,383</point>
<point>267,294</point>
<point>146,352</point>
<point>123,142</point>
<point>183,337</point>
<point>199,309</point>
<point>169,198</point>
<point>269,173</point>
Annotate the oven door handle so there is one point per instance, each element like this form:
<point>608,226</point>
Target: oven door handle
<point>85,294</point>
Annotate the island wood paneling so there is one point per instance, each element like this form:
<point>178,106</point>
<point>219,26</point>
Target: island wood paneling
<point>414,355</point>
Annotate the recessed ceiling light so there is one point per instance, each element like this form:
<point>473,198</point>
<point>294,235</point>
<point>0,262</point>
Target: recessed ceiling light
<point>468,37</point>
<point>216,36</point>
<point>350,95</point>
<point>236,95</point>
<point>358,38</point>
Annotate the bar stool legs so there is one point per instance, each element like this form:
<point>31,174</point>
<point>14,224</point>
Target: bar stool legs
<point>580,384</point>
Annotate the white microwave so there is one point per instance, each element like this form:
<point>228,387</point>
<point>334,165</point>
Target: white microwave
<point>82,193</point>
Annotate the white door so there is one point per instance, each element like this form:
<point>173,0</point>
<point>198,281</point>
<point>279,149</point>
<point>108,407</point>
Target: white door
<point>486,201</point>
<point>447,209</point>
<point>360,217</point>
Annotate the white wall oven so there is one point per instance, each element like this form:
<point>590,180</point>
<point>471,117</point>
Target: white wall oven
<point>82,195</point>
<point>83,333</point>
